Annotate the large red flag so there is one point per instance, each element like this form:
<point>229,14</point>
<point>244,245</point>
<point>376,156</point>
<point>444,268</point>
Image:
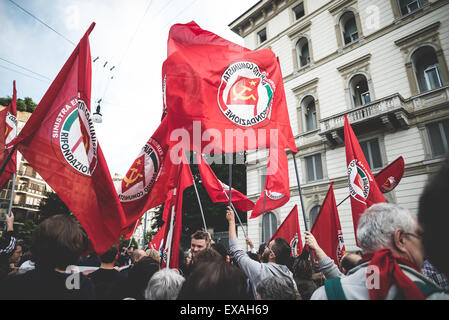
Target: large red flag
<point>182,176</point>
<point>327,228</point>
<point>227,97</point>
<point>8,131</point>
<point>277,184</point>
<point>218,191</point>
<point>146,183</point>
<point>60,143</point>
<point>157,242</point>
<point>389,177</point>
<point>290,231</point>
<point>363,189</point>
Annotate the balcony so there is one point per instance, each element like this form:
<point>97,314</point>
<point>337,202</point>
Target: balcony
<point>29,191</point>
<point>391,113</point>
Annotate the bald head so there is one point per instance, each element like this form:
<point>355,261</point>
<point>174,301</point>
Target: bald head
<point>138,254</point>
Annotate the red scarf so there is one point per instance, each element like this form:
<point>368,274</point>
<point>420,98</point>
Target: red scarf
<point>390,273</point>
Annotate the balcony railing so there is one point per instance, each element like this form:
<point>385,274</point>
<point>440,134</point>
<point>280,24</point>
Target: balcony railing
<point>391,112</point>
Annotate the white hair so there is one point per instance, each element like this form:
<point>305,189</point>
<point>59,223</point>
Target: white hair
<point>164,285</point>
<point>378,223</point>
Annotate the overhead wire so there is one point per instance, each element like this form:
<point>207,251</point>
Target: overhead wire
<point>15,64</point>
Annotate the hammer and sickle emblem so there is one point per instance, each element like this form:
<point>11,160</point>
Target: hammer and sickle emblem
<point>240,96</point>
<point>133,177</point>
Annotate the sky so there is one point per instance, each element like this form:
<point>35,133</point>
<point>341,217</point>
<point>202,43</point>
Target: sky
<point>130,36</point>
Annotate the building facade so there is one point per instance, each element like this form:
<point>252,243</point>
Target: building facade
<point>29,187</point>
<point>384,65</point>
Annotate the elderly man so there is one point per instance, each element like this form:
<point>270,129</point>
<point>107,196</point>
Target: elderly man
<point>390,238</point>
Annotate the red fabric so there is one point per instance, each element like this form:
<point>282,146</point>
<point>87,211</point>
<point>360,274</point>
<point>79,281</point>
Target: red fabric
<point>390,176</point>
<point>290,231</point>
<point>216,189</point>
<point>363,189</point>
<point>157,240</point>
<point>182,176</point>
<point>53,141</point>
<point>146,183</point>
<point>8,126</point>
<point>327,228</point>
<point>390,273</point>
<point>202,70</point>
<point>277,184</point>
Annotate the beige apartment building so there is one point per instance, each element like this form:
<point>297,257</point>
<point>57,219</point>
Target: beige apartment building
<point>382,63</point>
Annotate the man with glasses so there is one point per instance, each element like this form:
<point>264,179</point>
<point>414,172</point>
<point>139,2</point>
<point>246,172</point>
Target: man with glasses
<point>393,256</point>
<point>276,253</point>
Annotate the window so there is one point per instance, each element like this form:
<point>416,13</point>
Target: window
<point>309,113</point>
<point>427,69</point>
<point>269,226</point>
<point>262,175</point>
<point>302,52</point>
<point>313,214</point>
<point>262,36</point>
<point>408,6</point>
<point>349,28</point>
<point>314,168</point>
<point>439,137</point>
<point>360,90</point>
<point>371,150</point>
<point>298,11</point>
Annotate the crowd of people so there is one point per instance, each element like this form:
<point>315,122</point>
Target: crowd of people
<point>400,257</point>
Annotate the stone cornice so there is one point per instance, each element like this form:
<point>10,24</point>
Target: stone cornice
<point>427,32</point>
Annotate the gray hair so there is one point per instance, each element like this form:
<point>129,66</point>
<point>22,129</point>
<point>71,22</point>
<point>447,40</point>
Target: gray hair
<point>164,285</point>
<point>379,222</point>
<point>276,288</point>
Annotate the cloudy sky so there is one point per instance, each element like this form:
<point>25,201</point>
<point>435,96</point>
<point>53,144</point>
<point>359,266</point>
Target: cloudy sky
<point>130,35</point>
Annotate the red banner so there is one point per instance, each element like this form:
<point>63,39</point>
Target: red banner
<point>8,126</point>
<point>389,177</point>
<point>60,143</point>
<point>290,231</point>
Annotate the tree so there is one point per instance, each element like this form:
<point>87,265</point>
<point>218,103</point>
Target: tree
<point>52,205</point>
<point>124,243</point>
<point>27,104</point>
<point>214,212</point>
<point>25,232</point>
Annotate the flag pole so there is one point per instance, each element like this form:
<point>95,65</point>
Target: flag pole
<point>144,230</point>
<point>201,207</point>
<point>343,200</point>
<point>170,235</point>
<point>13,184</point>
<point>8,157</point>
<point>263,212</point>
<point>235,212</point>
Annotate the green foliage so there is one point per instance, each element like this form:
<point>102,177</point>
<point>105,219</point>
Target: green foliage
<point>25,232</point>
<point>52,205</point>
<point>125,243</point>
<point>27,104</point>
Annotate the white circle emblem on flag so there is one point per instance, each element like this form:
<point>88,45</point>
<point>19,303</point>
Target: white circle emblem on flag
<point>73,138</point>
<point>11,127</point>
<point>245,95</point>
<point>144,172</point>
<point>359,185</point>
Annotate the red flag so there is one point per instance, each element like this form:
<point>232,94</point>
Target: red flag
<point>277,185</point>
<point>8,131</point>
<point>227,97</point>
<point>146,183</point>
<point>290,231</point>
<point>183,179</point>
<point>327,228</point>
<point>363,189</point>
<point>389,177</point>
<point>157,242</point>
<point>60,143</point>
<point>218,191</point>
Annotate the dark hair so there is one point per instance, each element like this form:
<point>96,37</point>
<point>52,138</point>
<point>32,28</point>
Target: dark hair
<point>207,255</point>
<point>282,250</point>
<point>262,247</point>
<point>201,235</point>
<point>110,255</point>
<point>302,268</point>
<point>433,219</point>
<point>347,263</point>
<point>58,241</point>
<point>253,256</point>
<point>220,248</point>
<point>139,275</point>
<point>216,280</point>
<point>276,288</point>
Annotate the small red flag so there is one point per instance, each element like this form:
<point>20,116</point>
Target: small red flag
<point>68,157</point>
<point>290,231</point>
<point>363,189</point>
<point>8,131</point>
<point>327,228</point>
<point>236,95</point>
<point>389,177</point>
<point>277,185</point>
<point>182,177</point>
<point>146,183</point>
<point>218,191</point>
